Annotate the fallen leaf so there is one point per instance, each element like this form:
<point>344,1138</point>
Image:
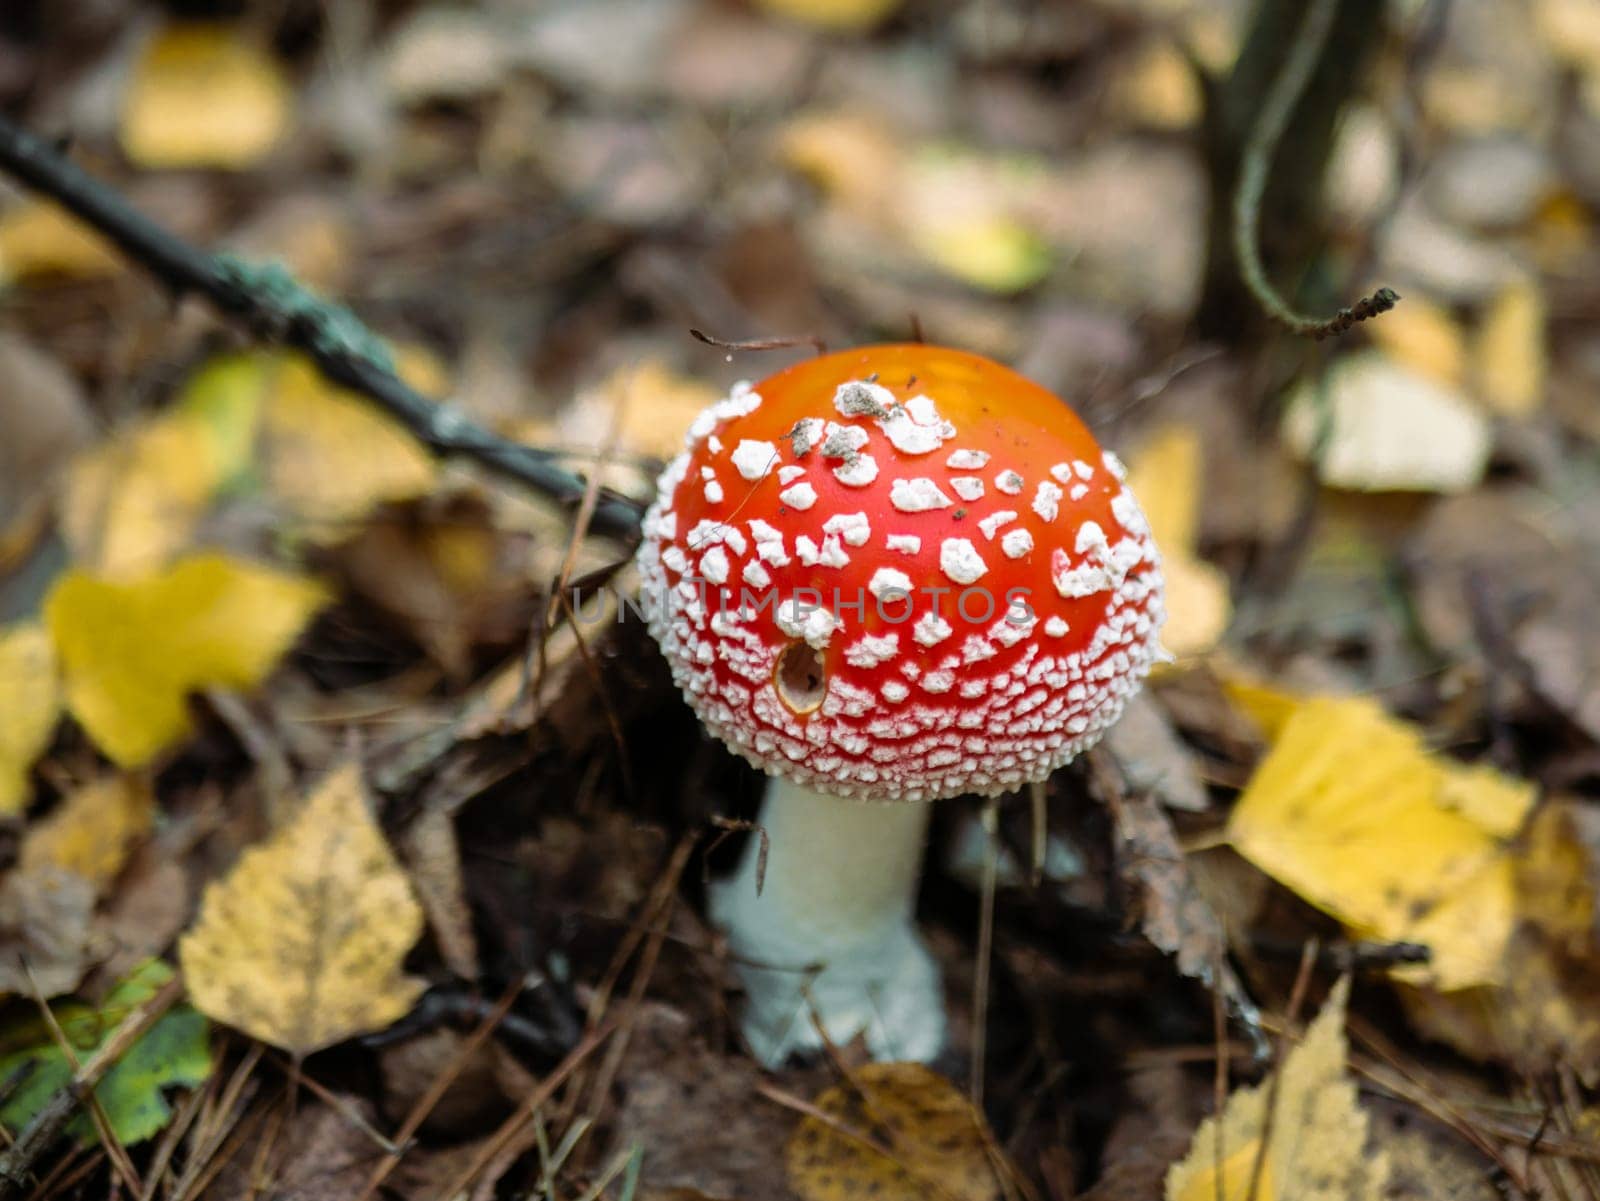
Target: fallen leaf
<point>1158,88</point>
<point>45,414</point>
<point>45,936</point>
<point>1424,336</point>
<point>330,455</point>
<point>133,502</point>
<point>937,1136</point>
<point>1538,1014</point>
<point>30,701</point>
<point>1166,477</point>
<point>1350,811</point>
<point>301,944</point>
<point>40,238</point>
<point>842,16</point>
<point>203,96</point>
<point>957,209</point>
<point>93,830</point>
<point>174,1052</point>
<point>1509,355</point>
<point>132,652</point>
<point>1388,428</point>
<point>1316,1146</point>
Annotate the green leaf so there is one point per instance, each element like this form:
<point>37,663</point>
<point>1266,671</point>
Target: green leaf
<point>176,1051</point>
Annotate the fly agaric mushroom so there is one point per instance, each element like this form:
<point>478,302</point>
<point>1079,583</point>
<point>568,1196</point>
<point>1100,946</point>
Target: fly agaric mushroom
<point>886,576</point>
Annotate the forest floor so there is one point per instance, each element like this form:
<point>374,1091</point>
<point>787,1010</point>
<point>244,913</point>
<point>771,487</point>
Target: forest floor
<point>294,713</point>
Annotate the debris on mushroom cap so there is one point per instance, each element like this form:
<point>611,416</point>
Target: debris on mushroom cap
<point>918,576</point>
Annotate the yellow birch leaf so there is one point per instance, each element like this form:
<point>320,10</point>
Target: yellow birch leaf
<point>843,16</point>
<point>93,830</point>
<point>133,502</point>
<point>1510,354</point>
<point>132,652</point>
<point>30,701</point>
<point>852,157</point>
<point>301,944</point>
<point>202,96</point>
<point>937,1136</point>
<point>1316,1147</point>
<point>1166,477</point>
<point>989,250</point>
<point>1425,337</point>
<point>1350,811</point>
<point>38,238</point>
<point>330,455</point>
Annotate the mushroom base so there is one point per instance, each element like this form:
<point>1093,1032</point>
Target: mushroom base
<point>830,937</point>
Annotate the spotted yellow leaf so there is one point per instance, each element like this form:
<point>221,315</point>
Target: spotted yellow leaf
<point>203,96</point>
<point>30,700</point>
<point>1312,1148</point>
<point>131,651</point>
<point>301,944</point>
<point>1351,811</point>
<point>937,1139</point>
<point>92,831</point>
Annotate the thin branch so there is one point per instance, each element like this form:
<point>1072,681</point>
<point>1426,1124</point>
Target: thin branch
<point>268,301</point>
<point>1284,95</point>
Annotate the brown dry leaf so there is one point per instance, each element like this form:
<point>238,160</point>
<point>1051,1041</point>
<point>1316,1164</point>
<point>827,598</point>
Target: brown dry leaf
<point>93,830</point>
<point>30,701</point>
<point>1316,1149</point>
<point>332,457</point>
<point>1166,477</point>
<point>938,1138</point>
<point>433,853</point>
<point>46,419</point>
<point>45,924</point>
<point>132,652</point>
<point>1509,356</point>
<point>40,238</point>
<point>1351,812</point>
<point>301,944</point>
<point>202,96</point>
<point>133,502</point>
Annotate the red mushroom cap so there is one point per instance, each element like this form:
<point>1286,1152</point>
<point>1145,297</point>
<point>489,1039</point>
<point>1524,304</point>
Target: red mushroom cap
<point>901,573</point>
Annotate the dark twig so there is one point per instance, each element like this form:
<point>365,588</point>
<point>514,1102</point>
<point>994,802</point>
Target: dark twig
<point>1279,107</point>
<point>47,1125</point>
<point>271,303</point>
<point>785,343</point>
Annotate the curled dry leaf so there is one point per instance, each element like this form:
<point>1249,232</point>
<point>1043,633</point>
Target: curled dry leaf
<point>939,1141</point>
<point>30,700</point>
<point>301,944</point>
<point>132,652</point>
<point>1314,1147</point>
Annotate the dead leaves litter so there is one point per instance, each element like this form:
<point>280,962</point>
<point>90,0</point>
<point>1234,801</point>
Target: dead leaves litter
<point>1305,1128</point>
<point>939,1141</point>
<point>132,652</point>
<point>301,944</point>
<point>1352,812</point>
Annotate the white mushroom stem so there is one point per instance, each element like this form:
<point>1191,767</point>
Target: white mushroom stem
<point>830,937</point>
